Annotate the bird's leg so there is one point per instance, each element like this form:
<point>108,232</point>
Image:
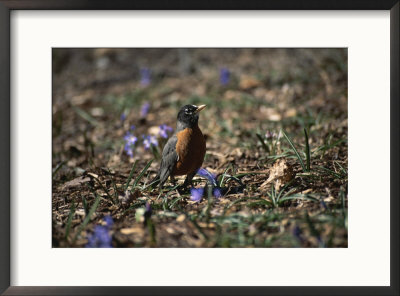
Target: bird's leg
<point>188,182</point>
<point>173,181</point>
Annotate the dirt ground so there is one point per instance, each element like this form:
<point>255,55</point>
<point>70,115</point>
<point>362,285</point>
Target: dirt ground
<point>276,132</point>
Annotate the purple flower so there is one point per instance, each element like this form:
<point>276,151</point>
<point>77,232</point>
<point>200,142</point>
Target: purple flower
<point>148,211</point>
<point>164,130</point>
<point>144,109</point>
<point>217,192</point>
<point>270,135</point>
<point>129,150</point>
<point>109,221</point>
<point>206,174</point>
<point>130,141</point>
<point>196,194</point>
<point>149,141</point>
<point>100,238</point>
<point>145,77</point>
<point>123,116</point>
<point>224,76</point>
<point>298,234</point>
<point>132,127</point>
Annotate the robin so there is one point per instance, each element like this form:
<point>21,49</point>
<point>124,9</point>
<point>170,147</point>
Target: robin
<point>183,154</point>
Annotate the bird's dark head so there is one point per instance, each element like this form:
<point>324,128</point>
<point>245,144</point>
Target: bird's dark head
<point>188,116</point>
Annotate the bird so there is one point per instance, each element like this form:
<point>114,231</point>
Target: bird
<point>184,152</point>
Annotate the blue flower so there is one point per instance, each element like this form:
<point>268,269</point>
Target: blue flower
<point>196,194</point>
<point>100,238</point>
<point>164,130</point>
<point>206,174</point>
<point>132,127</point>
<point>144,109</point>
<point>224,76</point>
<point>145,78</point>
<point>130,141</point>
<point>123,116</point>
<point>298,234</point>
<point>109,221</point>
<point>148,211</point>
<point>217,192</point>
<point>129,150</point>
<point>149,141</point>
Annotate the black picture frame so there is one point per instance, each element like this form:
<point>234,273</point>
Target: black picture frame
<point>6,6</point>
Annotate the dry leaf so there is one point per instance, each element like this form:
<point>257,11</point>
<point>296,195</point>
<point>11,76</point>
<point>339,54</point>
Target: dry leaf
<point>93,175</point>
<point>181,218</point>
<point>270,113</point>
<point>247,82</point>
<point>75,182</point>
<point>132,230</point>
<point>280,173</point>
<point>154,130</point>
<point>292,112</point>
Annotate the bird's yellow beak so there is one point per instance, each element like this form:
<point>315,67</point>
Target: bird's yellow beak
<point>201,107</point>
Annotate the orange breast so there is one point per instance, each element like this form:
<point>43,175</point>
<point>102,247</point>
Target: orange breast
<point>191,149</point>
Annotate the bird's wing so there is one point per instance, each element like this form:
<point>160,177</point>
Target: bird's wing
<point>169,159</point>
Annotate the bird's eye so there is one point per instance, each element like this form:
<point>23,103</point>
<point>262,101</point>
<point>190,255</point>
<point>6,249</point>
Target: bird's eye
<point>187,111</point>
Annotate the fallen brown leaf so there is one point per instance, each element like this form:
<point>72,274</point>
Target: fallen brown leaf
<point>75,182</point>
<point>280,173</point>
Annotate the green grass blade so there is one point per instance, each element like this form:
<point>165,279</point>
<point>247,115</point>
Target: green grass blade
<point>298,196</point>
<point>246,174</point>
<point>224,174</point>
<point>85,206</point>
<point>229,177</point>
<point>262,142</point>
<point>173,202</point>
<point>260,203</point>
<point>286,194</point>
<point>87,218</point>
<point>343,202</point>
<point>314,231</point>
<point>234,203</point>
<point>327,147</point>
<point>141,174</point>
<point>344,171</point>
<point>130,175</point>
<point>71,214</point>
<point>333,173</point>
<point>342,199</point>
<point>155,151</point>
<point>283,189</point>
<point>308,157</point>
<point>58,167</point>
<point>295,151</point>
<point>193,220</point>
<point>209,203</point>
<point>115,191</point>
<point>272,195</point>
<point>85,115</point>
<point>102,187</point>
